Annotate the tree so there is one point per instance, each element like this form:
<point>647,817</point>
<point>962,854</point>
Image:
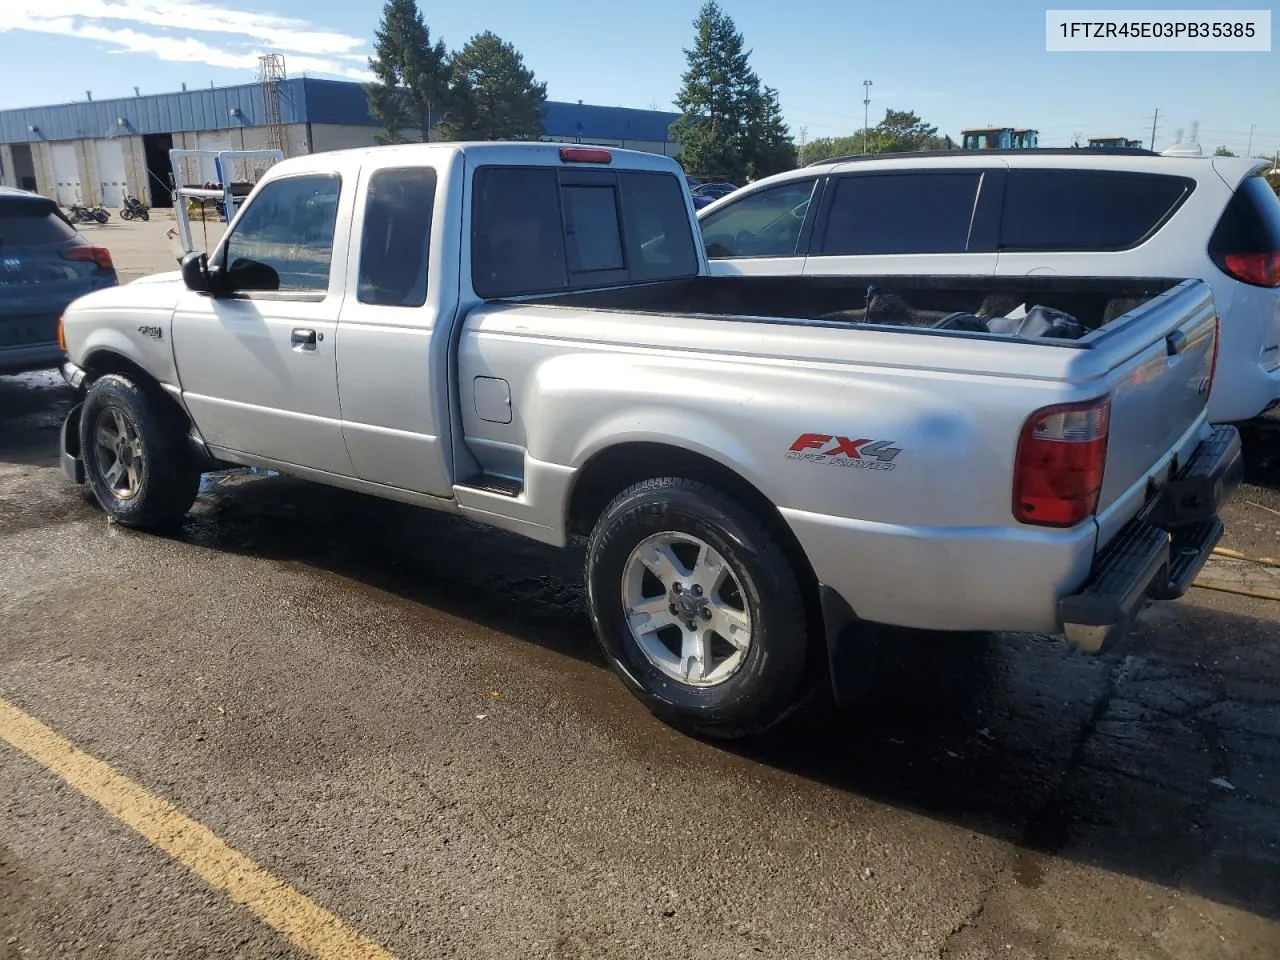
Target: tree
<point>1222,151</point>
<point>824,148</point>
<point>769,148</point>
<point>411,73</point>
<point>729,126</point>
<point>902,131</point>
<point>493,95</point>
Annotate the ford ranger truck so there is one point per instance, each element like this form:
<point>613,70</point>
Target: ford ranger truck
<point>527,335</point>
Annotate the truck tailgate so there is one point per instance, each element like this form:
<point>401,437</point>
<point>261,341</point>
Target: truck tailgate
<point>1161,360</point>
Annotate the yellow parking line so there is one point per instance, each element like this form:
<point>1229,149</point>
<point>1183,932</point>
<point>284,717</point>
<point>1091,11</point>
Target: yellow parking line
<point>271,900</point>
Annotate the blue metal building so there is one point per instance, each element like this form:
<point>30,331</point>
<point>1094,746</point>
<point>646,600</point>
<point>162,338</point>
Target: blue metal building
<point>100,150</point>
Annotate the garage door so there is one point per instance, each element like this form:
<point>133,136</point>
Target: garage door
<point>210,141</point>
<point>112,182</point>
<point>66,173</point>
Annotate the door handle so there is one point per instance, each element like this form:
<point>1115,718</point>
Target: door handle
<point>1175,343</point>
<point>304,339</point>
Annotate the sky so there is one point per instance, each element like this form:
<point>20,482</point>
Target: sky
<point>956,63</point>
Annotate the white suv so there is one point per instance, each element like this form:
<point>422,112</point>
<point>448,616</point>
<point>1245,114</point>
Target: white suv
<point>1112,213</point>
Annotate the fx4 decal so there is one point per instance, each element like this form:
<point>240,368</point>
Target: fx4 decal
<point>155,333</point>
<point>844,452</point>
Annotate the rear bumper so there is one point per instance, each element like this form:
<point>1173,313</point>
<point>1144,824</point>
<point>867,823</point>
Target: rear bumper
<point>33,356</point>
<point>1249,391</point>
<point>1158,554</point>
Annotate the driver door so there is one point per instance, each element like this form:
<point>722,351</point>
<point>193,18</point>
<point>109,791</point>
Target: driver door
<point>763,233</point>
<point>257,362</point>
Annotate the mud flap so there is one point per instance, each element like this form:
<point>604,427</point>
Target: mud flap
<point>843,655</point>
<point>69,445</point>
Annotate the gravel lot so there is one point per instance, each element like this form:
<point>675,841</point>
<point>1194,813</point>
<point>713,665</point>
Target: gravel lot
<point>403,716</point>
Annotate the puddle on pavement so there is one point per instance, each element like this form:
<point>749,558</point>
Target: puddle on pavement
<point>1028,869</point>
<point>221,479</point>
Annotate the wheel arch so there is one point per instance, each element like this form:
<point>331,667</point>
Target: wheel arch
<point>101,361</point>
<point>615,468</point>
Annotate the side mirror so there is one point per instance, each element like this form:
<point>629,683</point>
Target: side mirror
<point>247,274</point>
<point>195,272</point>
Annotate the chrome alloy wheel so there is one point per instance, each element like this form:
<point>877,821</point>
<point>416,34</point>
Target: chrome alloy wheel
<point>686,609</point>
<point>118,452</point>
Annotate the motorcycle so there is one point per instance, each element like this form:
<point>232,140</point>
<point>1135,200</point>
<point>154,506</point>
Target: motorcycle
<point>79,213</point>
<point>134,209</point>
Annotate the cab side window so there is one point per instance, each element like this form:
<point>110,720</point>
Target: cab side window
<point>284,240</point>
<point>763,224</point>
<point>396,237</point>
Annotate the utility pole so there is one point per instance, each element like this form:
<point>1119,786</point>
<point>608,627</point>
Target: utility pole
<point>866,111</point>
<point>1153,128</point>
<point>1249,152</point>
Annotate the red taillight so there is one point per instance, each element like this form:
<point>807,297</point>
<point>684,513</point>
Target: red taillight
<point>585,155</point>
<point>98,255</point>
<point>1259,269</point>
<point>1057,473</point>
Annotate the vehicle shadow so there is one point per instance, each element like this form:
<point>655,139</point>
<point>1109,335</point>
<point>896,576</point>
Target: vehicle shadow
<point>1261,441</point>
<point>1160,761</point>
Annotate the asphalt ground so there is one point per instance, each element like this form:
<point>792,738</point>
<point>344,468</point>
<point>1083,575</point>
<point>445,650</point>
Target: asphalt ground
<point>399,722</point>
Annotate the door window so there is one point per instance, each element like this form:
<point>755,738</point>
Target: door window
<point>901,214</point>
<point>763,224</point>
<point>284,239</point>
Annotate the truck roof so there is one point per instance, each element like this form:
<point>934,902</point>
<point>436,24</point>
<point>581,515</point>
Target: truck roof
<point>515,153</point>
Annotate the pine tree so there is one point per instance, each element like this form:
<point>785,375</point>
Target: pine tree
<point>493,95</point>
<point>729,128</point>
<point>770,148</point>
<point>412,73</point>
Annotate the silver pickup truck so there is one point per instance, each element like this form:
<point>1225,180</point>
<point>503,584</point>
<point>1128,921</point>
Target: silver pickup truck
<point>527,335</point>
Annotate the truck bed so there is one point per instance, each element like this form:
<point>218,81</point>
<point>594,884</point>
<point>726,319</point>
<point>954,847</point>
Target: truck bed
<point>924,303</point>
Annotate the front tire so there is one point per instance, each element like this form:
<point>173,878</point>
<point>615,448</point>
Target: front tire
<point>698,608</point>
<point>136,456</point>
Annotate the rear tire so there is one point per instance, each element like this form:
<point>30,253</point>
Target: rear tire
<point>137,460</point>
<point>698,608</point>
<point>144,214</point>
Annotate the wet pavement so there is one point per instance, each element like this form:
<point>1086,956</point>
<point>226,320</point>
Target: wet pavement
<point>404,716</point>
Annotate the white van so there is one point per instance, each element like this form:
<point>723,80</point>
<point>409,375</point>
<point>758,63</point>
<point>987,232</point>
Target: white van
<point>1081,213</point>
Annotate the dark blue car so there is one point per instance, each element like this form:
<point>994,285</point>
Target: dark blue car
<point>45,263</point>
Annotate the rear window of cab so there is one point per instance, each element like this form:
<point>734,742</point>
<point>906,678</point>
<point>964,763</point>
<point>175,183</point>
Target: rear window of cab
<point>544,229</point>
